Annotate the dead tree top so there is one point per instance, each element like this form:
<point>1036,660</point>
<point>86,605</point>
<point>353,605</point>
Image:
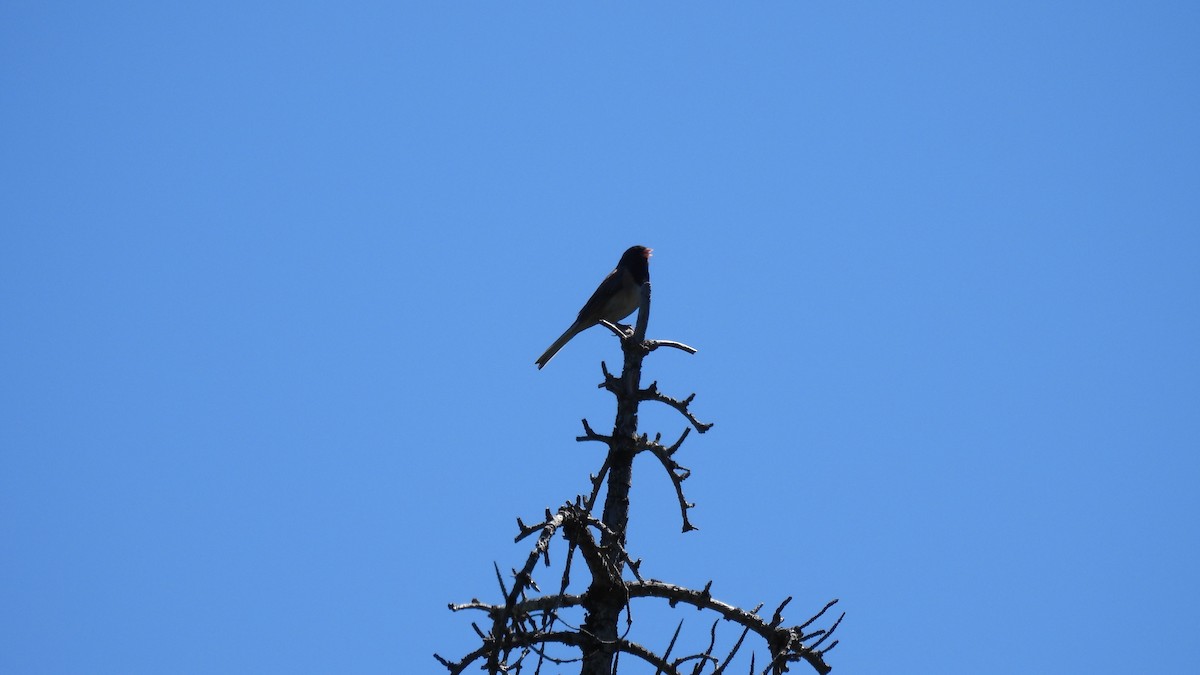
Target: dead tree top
<point>529,629</point>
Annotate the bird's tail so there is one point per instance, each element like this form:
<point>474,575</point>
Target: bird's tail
<point>558,344</point>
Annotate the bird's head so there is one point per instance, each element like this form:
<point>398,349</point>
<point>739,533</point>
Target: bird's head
<point>636,259</point>
<point>635,252</point>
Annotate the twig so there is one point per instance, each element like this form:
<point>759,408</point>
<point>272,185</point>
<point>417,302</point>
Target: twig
<point>677,473</point>
<point>732,652</point>
<point>619,330</point>
<point>652,393</point>
<point>786,639</point>
<point>778,616</point>
<point>589,435</point>
<point>571,638</point>
<point>651,345</point>
<point>671,645</point>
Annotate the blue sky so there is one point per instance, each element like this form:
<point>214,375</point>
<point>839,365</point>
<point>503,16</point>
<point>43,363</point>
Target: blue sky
<point>273,279</point>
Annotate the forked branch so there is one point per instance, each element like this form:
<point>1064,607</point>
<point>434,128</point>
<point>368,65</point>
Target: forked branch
<point>526,625</point>
<point>652,393</point>
<point>677,473</point>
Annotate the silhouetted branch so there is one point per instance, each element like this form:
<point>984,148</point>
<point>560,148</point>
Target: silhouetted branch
<point>643,317</point>
<point>597,481</point>
<point>652,393</point>
<point>525,624</point>
<point>777,618</point>
<point>818,615</point>
<point>677,473</point>
<point>651,345</point>
<point>785,643</point>
<point>619,329</point>
<point>671,645</point>
<point>732,652</point>
<point>589,435</point>
<point>570,638</point>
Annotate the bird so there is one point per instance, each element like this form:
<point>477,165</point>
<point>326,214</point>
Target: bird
<point>615,298</point>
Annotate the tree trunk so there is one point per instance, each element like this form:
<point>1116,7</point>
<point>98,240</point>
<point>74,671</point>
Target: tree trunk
<point>606,597</point>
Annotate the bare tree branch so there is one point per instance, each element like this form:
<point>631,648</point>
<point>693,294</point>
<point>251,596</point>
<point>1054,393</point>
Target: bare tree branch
<point>589,435</point>
<point>651,345</point>
<point>784,641</point>
<point>620,330</point>
<point>671,645</point>
<point>787,640</point>
<point>570,638</point>
<point>525,625</point>
<point>652,393</point>
<point>677,473</point>
<point>732,652</point>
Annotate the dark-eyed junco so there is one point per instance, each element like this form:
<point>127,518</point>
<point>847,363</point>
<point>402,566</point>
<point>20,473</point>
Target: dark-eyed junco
<point>615,298</point>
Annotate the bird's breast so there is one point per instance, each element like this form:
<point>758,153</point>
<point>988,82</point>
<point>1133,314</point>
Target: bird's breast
<point>623,302</point>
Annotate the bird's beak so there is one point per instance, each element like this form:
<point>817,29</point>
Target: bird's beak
<point>648,252</point>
